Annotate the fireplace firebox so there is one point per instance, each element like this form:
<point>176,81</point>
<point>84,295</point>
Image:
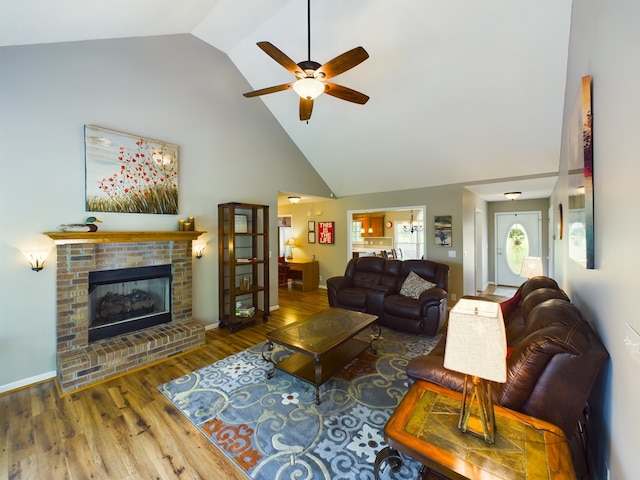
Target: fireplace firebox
<point>128,299</point>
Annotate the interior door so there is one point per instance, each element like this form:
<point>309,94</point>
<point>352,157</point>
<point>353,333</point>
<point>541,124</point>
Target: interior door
<point>518,235</point>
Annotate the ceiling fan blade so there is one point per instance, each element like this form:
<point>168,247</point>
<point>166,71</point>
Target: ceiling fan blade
<point>343,62</point>
<point>264,91</point>
<point>345,93</point>
<point>281,58</point>
<point>306,106</point>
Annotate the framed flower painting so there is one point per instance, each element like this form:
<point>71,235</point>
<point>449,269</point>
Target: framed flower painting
<point>129,174</point>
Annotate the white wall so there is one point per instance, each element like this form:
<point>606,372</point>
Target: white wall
<point>605,40</point>
<point>172,88</point>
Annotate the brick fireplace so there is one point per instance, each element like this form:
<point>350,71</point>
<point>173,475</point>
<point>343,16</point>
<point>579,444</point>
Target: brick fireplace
<point>80,362</point>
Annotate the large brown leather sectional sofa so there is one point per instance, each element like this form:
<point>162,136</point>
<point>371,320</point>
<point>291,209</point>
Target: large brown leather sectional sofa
<point>373,285</point>
<point>554,357</point>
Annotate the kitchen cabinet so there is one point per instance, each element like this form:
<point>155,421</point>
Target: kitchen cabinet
<point>375,222</point>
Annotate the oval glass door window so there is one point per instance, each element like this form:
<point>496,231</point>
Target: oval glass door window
<point>517,247</point>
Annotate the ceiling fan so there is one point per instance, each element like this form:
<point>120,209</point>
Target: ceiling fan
<point>311,77</point>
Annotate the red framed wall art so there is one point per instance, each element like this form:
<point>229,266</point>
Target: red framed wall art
<point>326,232</point>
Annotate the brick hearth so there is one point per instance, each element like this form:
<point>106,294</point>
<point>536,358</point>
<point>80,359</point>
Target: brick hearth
<point>80,363</point>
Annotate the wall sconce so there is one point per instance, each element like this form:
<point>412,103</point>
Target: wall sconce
<point>512,195</point>
<point>36,260</point>
<point>294,200</point>
<point>476,345</point>
<point>198,249</point>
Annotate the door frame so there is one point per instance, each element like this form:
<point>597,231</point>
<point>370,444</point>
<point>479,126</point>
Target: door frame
<point>496,240</point>
<point>407,208</point>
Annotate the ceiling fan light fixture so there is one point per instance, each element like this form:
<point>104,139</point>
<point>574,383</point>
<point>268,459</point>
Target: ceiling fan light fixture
<point>308,88</point>
<point>512,195</point>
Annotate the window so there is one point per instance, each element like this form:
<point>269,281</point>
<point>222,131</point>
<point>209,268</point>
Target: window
<point>356,231</point>
<point>411,244</point>
<point>517,247</point>
<point>284,232</point>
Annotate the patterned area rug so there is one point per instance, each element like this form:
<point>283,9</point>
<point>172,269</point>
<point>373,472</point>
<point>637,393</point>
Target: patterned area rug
<point>273,429</point>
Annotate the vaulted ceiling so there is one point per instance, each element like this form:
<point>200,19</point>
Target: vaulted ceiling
<point>462,92</point>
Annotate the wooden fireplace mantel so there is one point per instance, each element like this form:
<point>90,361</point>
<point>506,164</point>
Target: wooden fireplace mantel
<point>62,238</point>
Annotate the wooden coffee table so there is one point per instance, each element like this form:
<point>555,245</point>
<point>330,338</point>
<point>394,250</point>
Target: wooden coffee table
<point>323,343</point>
<point>425,427</point>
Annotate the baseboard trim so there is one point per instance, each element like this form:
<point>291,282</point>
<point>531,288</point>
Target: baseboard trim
<point>27,382</point>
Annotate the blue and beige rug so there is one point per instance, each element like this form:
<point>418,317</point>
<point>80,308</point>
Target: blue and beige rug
<point>273,429</point>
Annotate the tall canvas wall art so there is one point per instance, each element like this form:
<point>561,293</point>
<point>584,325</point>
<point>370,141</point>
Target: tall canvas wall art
<point>580,231</point>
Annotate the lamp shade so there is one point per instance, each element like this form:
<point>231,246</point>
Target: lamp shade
<point>531,267</point>
<point>308,88</point>
<point>291,242</point>
<point>476,342</point>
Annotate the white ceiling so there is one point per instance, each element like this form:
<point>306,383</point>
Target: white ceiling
<point>461,91</point>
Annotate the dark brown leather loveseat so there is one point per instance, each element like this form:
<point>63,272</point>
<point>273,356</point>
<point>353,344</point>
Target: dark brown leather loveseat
<point>373,285</point>
<point>553,357</point>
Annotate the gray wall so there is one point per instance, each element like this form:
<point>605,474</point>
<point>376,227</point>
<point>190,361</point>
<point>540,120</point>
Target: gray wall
<point>172,88</point>
<point>604,43</point>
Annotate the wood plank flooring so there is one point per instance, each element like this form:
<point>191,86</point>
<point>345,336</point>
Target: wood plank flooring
<point>124,428</point>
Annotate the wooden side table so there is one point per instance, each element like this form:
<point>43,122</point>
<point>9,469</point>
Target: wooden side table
<point>425,427</point>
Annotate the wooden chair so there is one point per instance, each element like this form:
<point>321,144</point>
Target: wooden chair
<point>283,272</point>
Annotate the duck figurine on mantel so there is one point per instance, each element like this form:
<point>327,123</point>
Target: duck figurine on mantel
<point>89,225</point>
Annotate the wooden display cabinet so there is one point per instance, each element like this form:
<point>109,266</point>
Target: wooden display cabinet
<point>243,264</point>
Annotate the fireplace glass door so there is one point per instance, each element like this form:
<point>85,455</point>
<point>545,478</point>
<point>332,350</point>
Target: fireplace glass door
<point>128,299</point>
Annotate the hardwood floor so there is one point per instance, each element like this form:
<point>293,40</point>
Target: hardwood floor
<point>124,428</point>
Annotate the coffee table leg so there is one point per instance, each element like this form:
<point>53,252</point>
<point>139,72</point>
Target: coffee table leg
<point>318,369</point>
<point>390,455</point>
<point>375,336</point>
<point>268,347</point>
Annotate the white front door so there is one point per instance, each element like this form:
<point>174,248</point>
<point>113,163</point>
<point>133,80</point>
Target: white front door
<point>518,235</point>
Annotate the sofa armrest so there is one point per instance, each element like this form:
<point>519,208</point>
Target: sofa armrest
<point>335,284</point>
<point>375,299</point>
<point>339,282</point>
<point>431,296</point>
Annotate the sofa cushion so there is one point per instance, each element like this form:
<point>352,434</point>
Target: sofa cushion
<point>353,298</point>
<point>538,296</point>
<point>403,306</point>
<point>414,285</point>
<point>535,283</point>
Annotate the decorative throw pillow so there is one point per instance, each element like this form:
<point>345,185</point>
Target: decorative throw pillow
<point>414,285</point>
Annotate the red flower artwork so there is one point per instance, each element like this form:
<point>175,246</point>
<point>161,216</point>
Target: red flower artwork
<point>144,178</point>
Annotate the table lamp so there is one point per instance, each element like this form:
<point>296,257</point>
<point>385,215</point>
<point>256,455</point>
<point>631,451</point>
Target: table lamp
<point>476,345</point>
<point>531,267</point>
<point>291,242</point>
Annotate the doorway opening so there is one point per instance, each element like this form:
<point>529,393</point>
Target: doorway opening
<point>285,233</point>
<point>397,232</point>
<point>517,235</point>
